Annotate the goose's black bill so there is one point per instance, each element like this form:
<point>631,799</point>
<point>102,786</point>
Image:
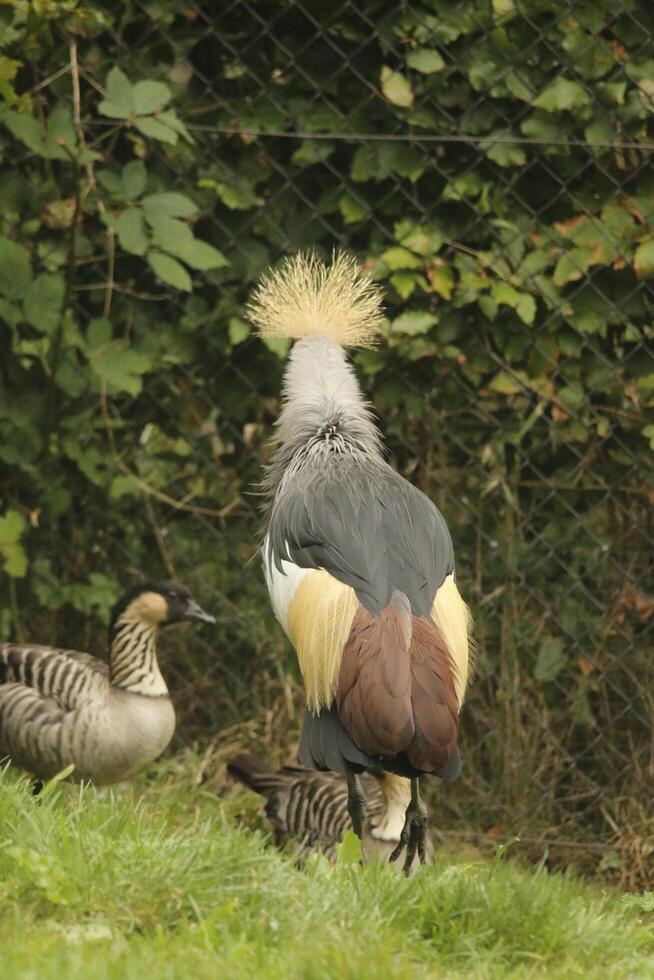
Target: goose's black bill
<point>195,612</point>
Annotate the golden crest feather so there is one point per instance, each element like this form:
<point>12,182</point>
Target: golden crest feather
<point>305,296</point>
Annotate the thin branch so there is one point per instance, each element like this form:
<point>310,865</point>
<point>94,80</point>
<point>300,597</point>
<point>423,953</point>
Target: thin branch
<point>90,286</point>
<point>140,483</point>
<point>92,183</point>
<point>158,534</point>
<point>15,612</point>
<point>74,69</point>
<point>49,80</point>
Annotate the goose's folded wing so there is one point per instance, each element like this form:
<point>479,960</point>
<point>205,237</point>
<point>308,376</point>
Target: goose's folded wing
<point>65,676</point>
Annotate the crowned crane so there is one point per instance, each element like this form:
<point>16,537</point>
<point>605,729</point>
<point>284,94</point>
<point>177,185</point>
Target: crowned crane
<point>359,563</point>
<point>309,809</point>
<point>61,708</point>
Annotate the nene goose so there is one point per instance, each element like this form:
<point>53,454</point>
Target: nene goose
<point>109,720</point>
<point>310,809</point>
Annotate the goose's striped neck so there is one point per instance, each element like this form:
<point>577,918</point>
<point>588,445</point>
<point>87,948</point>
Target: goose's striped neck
<point>133,662</point>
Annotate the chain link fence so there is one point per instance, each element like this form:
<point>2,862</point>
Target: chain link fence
<point>490,164</point>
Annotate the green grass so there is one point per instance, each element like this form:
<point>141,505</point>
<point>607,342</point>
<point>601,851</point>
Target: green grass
<point>157,880</point>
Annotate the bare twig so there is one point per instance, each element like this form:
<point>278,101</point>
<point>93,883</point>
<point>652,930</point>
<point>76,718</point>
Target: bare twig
<point>51,400</point>
<point>90,174</point>
<point>142,484</point>
<point>49,80</point>
<point>159,537</point>
<point>15,612</point>
<point>74,69</point>
<point>89,287</point>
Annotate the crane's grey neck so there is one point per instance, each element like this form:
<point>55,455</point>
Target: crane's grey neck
<point>133,664</point>
<point>324,413</point>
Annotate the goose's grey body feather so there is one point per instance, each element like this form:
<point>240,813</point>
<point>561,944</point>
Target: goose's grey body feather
<point>59,707</point>
<point>63,707</point>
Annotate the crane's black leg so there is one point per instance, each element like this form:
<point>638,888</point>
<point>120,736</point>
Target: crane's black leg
<point>356,803</point>
<point>414,832</point>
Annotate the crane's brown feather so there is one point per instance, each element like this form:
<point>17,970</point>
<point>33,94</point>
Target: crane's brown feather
<point>396,694</point>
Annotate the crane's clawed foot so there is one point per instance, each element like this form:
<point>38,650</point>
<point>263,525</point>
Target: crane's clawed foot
<point>414,832</point>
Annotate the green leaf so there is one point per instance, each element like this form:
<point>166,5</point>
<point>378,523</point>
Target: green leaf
<point>312,151</point>
<point>155,130</point>
<point>15,560</point>
<point>124,486</point>
<point>396,88</point>
<point>526,308</point>
<point>550,659</point>
<point>504,292</point>
<point>365,163</point>
<point>169,119</point>
<point>423,239</point>
<point>198,254</point>
<point>120,101</point>
<point>237,330</point>
<point>504,154</point>
<point>133,178</point>
<point>425,60</point>
<point>404,283</point>
<point>111,182</point>
<point>561,94</point>
<point>176,238</point>
<point>25,128</point>
<point>167,232</point>
<point>523,303</point>
<point>15,269</point>
<point>10,313</point>
<point>131,231</point>
<point>60,134</point>
<point>508,382</point>
<point>644,260</point>
<point>12,527</point>
<point>149,97</point>
<point>43,302</point>
<point>121,369</point>
<point>518,87</point>
<point>349,851</point>
<point>237,194</point>
<point>352,210</point>
<point>169,205</point>
<point>572,265</point>
<point>99,333</point>
<point>441,278</point>
<point>279,346</point>
<point>414,322</point>
<point>542,126</point>
<point>401,258</point>
<point>170,271</point>
<point>8,69</point>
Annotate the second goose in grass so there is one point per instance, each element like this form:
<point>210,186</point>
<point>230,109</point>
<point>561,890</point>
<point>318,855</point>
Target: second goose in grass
<point>310,809</point>
<point>109,720</point>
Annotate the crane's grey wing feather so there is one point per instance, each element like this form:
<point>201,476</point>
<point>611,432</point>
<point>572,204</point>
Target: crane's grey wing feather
<point>368,527</point>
